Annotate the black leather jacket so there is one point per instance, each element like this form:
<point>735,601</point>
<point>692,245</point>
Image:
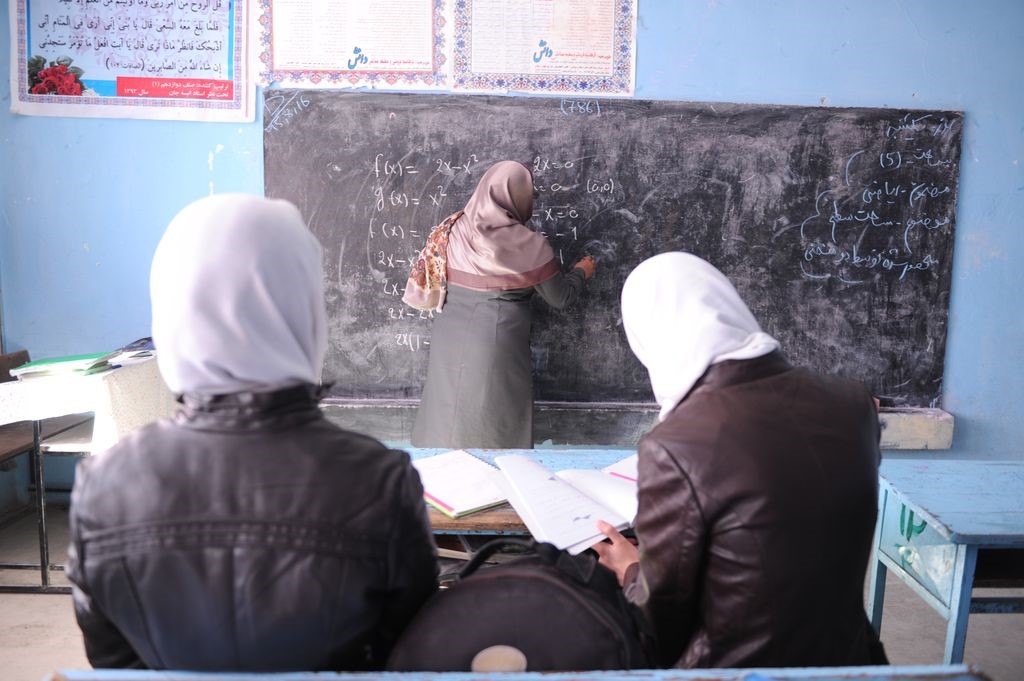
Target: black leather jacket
<point>248,533</point>
<point>758,500</point>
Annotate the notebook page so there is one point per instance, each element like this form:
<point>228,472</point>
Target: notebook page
<point>625,469</point>
<point>616,493</point>
<point>564,515</point>
<point>457,482</point>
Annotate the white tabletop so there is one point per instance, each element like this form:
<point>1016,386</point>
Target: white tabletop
<point>44,397</point>
<point>122,399</point>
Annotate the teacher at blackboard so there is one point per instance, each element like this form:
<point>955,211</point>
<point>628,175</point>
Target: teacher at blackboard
<point>479,387</point>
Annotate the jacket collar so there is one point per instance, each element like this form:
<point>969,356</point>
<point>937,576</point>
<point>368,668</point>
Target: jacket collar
<point>279,408</point>
<point>735,371</point>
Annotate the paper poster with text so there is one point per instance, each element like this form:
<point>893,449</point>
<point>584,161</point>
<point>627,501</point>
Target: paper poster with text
<point>379,44</point>
<point>555,46</point>
<point>159,59</point>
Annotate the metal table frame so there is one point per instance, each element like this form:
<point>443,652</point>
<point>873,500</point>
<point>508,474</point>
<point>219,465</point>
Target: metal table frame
<point>37,470</point>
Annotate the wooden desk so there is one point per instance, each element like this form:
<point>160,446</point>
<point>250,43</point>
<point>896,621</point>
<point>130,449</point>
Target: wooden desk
<point>945,528</point>
<point>503,519</point>
<point>498,520</point>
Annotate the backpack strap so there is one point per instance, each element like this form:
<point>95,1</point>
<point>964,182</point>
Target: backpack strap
<point>492,547</point>
<point>579,568</point>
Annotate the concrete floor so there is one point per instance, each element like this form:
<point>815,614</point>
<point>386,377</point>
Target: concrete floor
<point>38,633</point>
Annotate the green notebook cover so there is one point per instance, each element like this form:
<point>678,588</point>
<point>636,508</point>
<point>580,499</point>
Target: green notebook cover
<point>59,365</point>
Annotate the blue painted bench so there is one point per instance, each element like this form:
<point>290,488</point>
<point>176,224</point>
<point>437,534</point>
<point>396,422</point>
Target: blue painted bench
<point>918,673</point>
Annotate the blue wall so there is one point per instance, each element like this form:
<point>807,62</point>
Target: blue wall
<point>84,201</point>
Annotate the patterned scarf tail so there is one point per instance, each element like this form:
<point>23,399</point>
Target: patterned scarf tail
<point>428,281</point>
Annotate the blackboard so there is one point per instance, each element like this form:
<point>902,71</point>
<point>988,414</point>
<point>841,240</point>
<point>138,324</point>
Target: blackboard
<point>835,224</point>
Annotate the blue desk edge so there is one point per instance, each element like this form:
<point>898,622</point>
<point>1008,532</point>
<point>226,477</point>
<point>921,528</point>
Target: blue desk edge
<point>908,673</point>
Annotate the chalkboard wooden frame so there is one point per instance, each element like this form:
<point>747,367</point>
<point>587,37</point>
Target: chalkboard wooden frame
<point>835,224</point>
<point>575,424</point>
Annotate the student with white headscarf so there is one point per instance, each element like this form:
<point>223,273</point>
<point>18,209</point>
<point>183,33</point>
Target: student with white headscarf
<point>757,489</point>
<point>247,533</point>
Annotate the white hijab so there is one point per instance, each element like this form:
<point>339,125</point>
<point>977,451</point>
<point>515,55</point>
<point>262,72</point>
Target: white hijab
<point>237,293</point>
<point>682,315</point>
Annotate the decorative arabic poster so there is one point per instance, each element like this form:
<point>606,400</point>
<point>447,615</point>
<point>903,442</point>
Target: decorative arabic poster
<point>556,46</point>
<point>166,59</point>
<point>382,44</point>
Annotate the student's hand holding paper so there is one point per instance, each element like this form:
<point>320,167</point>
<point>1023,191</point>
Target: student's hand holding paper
<point>617,555</point>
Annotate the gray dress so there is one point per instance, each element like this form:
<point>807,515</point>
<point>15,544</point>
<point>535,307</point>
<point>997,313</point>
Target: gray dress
<point>479,388</point>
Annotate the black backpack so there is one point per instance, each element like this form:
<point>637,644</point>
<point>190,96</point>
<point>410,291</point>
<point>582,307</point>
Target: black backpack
<point>563,612</point>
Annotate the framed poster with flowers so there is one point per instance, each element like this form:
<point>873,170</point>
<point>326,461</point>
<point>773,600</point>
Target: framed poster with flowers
<point>164,59</point>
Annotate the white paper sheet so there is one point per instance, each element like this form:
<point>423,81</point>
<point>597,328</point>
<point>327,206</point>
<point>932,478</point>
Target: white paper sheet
<point>552,509</point>
<point>616,493</point>
<point>625,469</point>
<point>345,43</point>
<point>558,46</point>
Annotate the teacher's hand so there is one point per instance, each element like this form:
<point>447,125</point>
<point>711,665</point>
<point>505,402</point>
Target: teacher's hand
<point>587,264</point>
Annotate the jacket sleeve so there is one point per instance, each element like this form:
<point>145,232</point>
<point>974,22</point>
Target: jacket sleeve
<point>562,289</point>
<point>412,559</point>
<point>672,538</point>
<point>105,646</point>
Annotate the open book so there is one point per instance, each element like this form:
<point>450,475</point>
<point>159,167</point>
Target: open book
<point>563,508</point>
<point>457,483</point>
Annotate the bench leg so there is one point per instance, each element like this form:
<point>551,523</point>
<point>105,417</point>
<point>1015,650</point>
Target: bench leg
<point>960,603</point>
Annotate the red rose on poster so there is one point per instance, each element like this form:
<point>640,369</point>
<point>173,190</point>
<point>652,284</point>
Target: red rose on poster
<point>70,88</point>
<point>58,77</point>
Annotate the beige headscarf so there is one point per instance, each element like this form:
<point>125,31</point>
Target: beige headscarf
<point>237,292</point>
<point>490,248</point>
<point>682,315</point>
